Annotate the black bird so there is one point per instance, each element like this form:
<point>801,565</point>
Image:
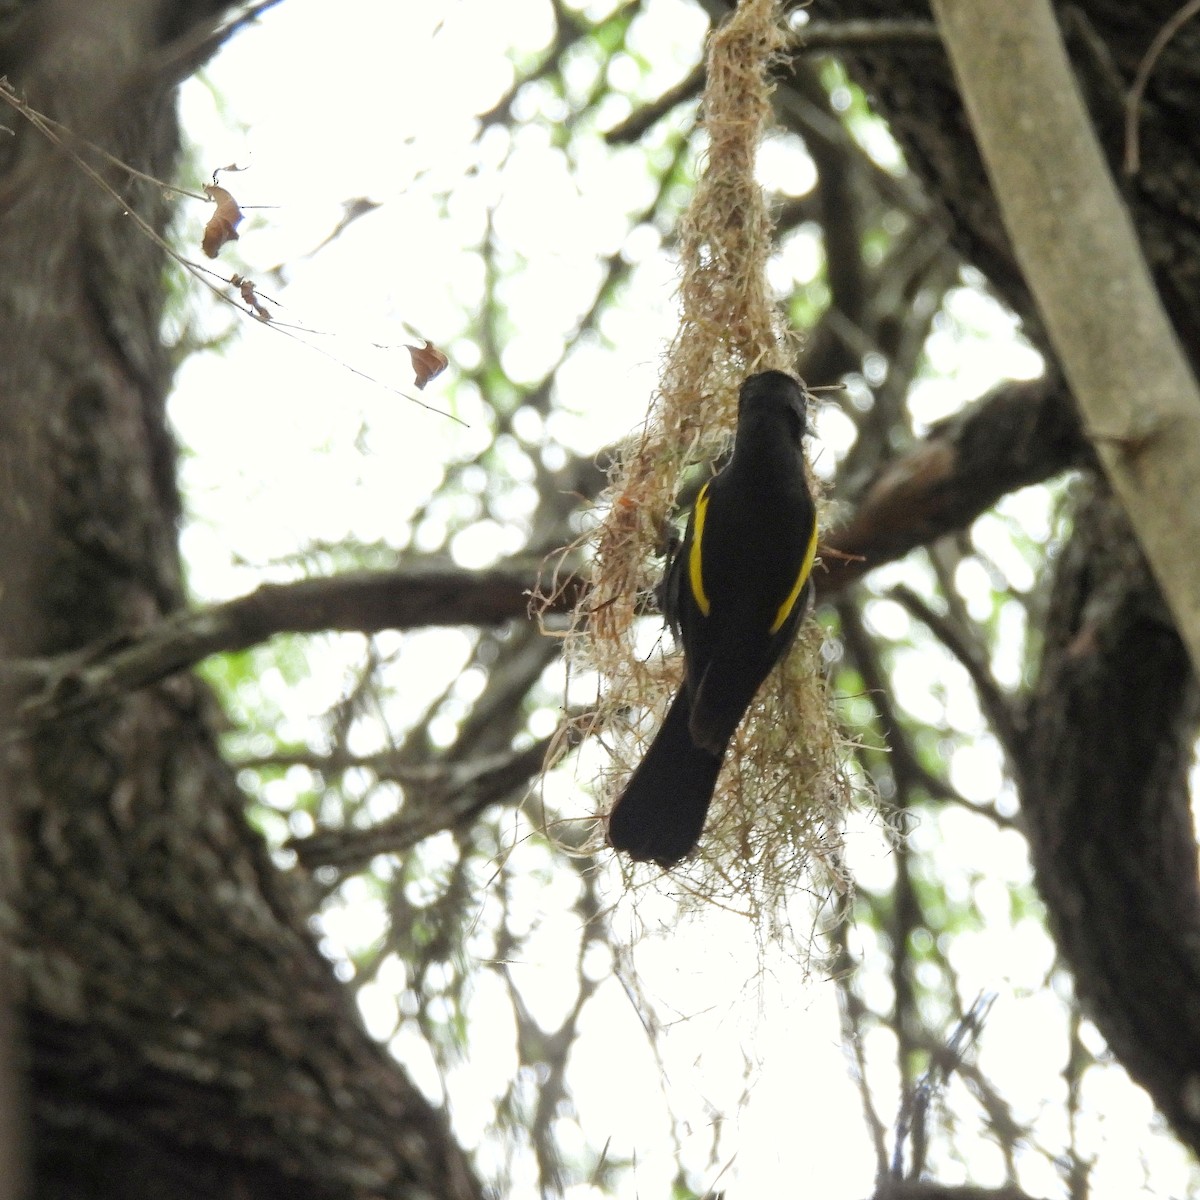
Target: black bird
<point>734,594</point>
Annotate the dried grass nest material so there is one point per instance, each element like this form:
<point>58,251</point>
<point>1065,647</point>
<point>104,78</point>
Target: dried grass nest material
<point>776,816</point>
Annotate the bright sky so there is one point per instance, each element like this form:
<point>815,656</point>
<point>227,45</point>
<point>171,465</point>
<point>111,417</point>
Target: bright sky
<point>287,446</point>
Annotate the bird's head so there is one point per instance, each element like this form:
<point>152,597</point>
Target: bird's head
<point>771,394</point>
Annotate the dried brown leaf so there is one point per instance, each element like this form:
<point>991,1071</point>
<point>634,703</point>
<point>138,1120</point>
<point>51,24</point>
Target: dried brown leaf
<point>250,298</point>
<point>222,225</point>
<point>428,362</point>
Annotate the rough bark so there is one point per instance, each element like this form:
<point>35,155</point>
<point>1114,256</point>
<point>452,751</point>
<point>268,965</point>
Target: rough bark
<point>1112,725</point>
<point>183,1035</point>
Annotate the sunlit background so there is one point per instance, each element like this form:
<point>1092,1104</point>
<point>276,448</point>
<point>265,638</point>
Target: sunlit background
<point>584,1041</point>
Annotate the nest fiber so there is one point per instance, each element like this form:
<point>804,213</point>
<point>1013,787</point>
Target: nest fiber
<point>773,826</point>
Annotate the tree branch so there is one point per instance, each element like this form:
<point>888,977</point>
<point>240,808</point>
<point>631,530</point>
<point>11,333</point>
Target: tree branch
<point>846,35</point>
<point>925,1189</point>
<point>1016,435</point>
<point>1019,434</point>
<point>409,597</point>
<point>437,798</point>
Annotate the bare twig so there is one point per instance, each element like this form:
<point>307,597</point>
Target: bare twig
<point>907,769</point>
<point>995,704</point>
<point>855,1022</point>
<point>1142,77</point>
<point>946,1059</point>
<point>807,39</point>
<point>437,797</point>
<point>49,129</point>
<point>641,119</point>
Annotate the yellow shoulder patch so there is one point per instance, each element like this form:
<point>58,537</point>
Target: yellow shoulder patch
<point>695,566</point>
<point>805,567</point>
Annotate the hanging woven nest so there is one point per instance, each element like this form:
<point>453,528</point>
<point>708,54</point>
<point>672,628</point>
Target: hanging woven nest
<point>774,826</point>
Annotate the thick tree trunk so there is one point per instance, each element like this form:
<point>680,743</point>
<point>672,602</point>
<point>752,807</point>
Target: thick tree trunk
<point>183,1035</point>
<point>1114,711</point>
<point>1112,729</point>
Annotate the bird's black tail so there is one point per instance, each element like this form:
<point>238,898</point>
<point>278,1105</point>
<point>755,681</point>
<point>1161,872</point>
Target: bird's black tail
<point>660,815</point>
